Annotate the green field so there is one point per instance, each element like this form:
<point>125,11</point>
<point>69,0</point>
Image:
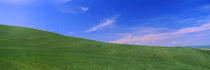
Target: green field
<point>30,49</point>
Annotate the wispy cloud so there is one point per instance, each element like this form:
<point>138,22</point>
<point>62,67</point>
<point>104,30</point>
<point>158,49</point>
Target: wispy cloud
<point>158,39</point>
<point>106,23</point>
<point>84,8</point>
<point>71,8</point>
<point>71,33</point>
<point>193,30</point>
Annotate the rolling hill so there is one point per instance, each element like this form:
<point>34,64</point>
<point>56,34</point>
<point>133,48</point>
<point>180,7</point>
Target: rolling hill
<point>30,49</point>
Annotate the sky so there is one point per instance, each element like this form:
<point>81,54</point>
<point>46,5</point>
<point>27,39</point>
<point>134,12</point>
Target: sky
<point>139,22</point>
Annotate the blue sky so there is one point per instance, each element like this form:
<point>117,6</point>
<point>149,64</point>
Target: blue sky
<point>141,22</point>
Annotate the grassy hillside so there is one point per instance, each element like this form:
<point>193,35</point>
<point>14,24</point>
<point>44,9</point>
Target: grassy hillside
<point>30,49</point>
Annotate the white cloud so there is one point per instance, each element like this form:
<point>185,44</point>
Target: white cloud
<point>71,8</point>
<point>164,39</point>
<point>106,23</point>
<point>198,33</point>
<point>84,8</point>
<point>71,33</point>
<point>193,29</point>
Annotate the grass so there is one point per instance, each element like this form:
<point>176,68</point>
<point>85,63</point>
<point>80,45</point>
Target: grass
<point>204,49</point>
<point>30,49</point>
